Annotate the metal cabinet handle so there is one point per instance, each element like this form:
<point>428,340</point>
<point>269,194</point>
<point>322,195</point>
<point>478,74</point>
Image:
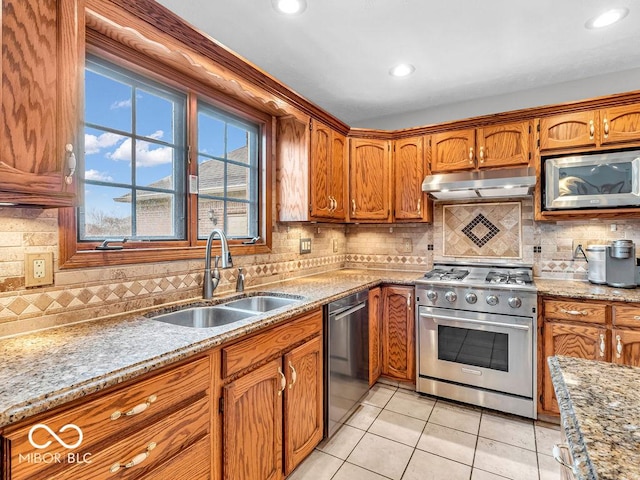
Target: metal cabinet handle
<point>481,154</point>
<point>135,410</point>
<point>137,460</point>
<point>574,312</point>
<point>471,155</point>
<point>558,456</point>
<point>592,130</point>
<point>602,345</point>
<point>606,127</point>
<point>409,300</point>
<point>294,375</point>
<point>283,382</point>
<point>636,317</point>
<point>419,205</point>
<point>353,206</point>
<point>71,164</point>
<point>334,202</point>
<point>618,346</point>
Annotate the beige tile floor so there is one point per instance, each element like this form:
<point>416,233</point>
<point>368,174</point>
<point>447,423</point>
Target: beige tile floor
<point>398,434</point>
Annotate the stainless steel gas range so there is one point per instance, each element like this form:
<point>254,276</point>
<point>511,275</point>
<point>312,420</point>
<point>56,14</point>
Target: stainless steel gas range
<point>476,335</point>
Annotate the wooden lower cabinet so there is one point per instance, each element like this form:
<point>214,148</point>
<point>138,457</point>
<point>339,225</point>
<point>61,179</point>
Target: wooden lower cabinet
<point>398,333</point>
<point>273,414</point>
<point>375,334</point>
<point>626,347</point>
<point>573,341</point>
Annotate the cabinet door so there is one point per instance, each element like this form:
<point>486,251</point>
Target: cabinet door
<point>399,356</point>
<point>369,179</point>
<point>626,347</point>
<point>503,145</point>
<point>409,171</point>
<point>571,130</point>
<point>321,148</point>
<point>252,430</point>
<point>292,170</point>
<point>338,183</point>
<point>303,405</point>
<point>620,124</point>
<point>453,151</point>
<point>42,52</point>
<point>573,341</point>
<point>375,334</point>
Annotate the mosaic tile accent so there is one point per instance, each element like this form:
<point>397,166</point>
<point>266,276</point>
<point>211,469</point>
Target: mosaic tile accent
<point>482,230</point>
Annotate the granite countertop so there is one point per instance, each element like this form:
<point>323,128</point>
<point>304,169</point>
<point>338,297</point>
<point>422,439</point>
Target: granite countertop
<point>585,290</point>
<point>44,369</point>
<point>600,407</point>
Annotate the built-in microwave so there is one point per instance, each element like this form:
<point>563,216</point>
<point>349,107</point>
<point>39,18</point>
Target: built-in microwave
<point>599,180</point>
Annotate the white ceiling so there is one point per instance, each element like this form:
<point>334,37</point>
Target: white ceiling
<point>338,52</point>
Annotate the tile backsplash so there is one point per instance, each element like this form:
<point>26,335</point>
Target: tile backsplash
<point>89,293</point>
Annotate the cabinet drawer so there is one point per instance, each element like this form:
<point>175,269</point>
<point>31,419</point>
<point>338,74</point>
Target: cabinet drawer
<point>254,350</point>
<point>160,442</point>
<point>626,316</point>
<point>575,311</point>
<point>190,464</point>
<point>98,419</point>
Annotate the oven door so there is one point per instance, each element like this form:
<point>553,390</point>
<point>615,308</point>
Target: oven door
<point>489,351</point>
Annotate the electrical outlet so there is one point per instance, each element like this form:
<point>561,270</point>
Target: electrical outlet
<point>407,246</point>
<point>38,269</point>
<point>305,245</point>
<point>335,245</point>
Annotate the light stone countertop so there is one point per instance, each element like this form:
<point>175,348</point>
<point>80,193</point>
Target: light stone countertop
<point>600,407</point>
<point>585,290</point>
<point>45,369</point>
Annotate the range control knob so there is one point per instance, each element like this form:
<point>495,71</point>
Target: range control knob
<point>492,300</point>
<point>432,296</point>
<point>514,302</point>
<point>451,297</point>
<point>471,297</point>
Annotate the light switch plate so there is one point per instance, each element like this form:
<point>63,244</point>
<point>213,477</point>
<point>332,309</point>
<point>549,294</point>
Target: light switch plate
<point>38,269</point>
<point>305,245</point>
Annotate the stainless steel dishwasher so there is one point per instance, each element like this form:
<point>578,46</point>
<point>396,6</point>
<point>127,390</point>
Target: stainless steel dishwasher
<point>347,358</point>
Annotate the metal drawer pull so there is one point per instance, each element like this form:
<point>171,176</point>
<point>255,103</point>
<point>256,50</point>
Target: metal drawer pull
<point>602,345</point>
<point>135,410</point>
<point>137,460</point>
<point>606,127</point>
<point>294,375</point>
<point>592,130</point>
<point>471,155</point>
<point>574,312</point>
<point>481,154</point>
<point>618,346</point>
<point>283,382</point>
<point>557,455</point>
<point>636,317</point>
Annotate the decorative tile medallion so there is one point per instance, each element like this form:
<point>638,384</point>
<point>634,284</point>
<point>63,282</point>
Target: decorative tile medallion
<point>492,230</point>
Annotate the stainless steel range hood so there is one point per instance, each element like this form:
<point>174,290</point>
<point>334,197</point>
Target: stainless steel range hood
<point>502,182</point>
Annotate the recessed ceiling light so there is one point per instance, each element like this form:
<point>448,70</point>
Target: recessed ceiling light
<point>289,7</point>
<point>402,70</point>
<point>607,18</point>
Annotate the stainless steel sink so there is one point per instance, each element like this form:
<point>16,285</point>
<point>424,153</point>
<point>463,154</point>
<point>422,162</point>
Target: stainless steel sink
<point>261,303</point>
<point>225,313</point>
<point>204,317</point>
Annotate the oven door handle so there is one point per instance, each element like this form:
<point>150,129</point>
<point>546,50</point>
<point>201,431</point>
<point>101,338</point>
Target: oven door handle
<point>478,322</point>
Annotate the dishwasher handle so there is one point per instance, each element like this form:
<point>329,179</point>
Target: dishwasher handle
<point>351,310</point>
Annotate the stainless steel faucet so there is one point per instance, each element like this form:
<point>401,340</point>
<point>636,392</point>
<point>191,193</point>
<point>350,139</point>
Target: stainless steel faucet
<point>210,283</point>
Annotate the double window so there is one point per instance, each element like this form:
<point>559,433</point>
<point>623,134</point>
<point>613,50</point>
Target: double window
<point>142,182</point>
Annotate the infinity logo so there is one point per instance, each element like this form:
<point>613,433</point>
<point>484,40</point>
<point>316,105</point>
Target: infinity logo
<point>53,434</point>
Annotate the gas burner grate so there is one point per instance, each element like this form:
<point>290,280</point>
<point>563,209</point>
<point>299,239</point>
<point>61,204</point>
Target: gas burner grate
<point>517,278</point>
<point>442,274</point>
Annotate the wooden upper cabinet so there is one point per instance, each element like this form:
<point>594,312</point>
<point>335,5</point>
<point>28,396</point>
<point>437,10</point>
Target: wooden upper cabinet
<point>369,178</point>
<point>620,124</point>
<point>409,169</point>
<point>292,170</point>
<point>503,145</point>
<point>491,146</point>
<point>591,129</point>
<point>339,175</point>
<point>328,172</point>
<point>451,151</point>
<point>42,63</point>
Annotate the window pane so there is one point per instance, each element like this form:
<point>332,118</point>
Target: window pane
<point>154,116</point>
<point>210,135</point>
<point>107,156</point>
<point>238,224</point>
<point>155,214</point>
<point>238,144</point>
<point>210,215</point>
<point>154,165</point>
<point>107,212</point>
<point>238,181</point>
<point>107,102</point>
<point>211,176</point>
